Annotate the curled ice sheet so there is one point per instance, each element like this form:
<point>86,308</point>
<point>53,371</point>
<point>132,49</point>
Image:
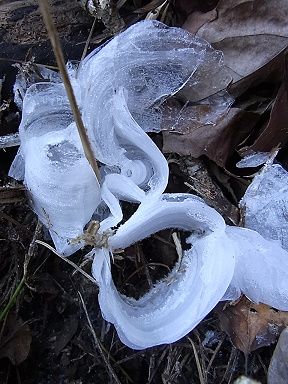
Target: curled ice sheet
<point>253,160</point>
<point>10,140</point>
<point>143,174</point>
<point>178,303</point>
<point>265,204</point>
<point>119,89</point>
<point>261,269</point>
<point>61,184</point>
<point>150,60</point>
<point>29,74</point>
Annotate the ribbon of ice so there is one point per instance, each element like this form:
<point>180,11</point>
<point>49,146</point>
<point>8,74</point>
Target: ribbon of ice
<point>120,89</point>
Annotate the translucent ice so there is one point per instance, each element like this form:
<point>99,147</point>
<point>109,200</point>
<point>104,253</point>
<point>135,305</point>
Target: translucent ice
<point>61,184</point>
<point>178,303</point>
<point>119,89</point>
<point>261,269</point>
<point>253,160</point>
<point>265,204</point>
<point>151,61</point>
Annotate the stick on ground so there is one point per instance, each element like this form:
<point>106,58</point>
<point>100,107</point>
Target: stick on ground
<point>55,42</point>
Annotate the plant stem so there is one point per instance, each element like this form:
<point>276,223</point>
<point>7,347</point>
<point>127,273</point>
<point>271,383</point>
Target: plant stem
<point>12,299</point>
<point>55,42</point>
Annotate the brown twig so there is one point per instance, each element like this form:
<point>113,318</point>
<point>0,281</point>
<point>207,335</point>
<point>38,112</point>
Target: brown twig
<point>198,365</point>
<point>98,344</point>
<point>88,39</point>
<point>75,266</point>
<point>55,42</point>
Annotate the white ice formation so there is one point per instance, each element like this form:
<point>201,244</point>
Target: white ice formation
<point>120,88</point>
<point>265,204</point>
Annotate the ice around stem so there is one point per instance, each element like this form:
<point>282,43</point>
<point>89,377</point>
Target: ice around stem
<point>61,184</point>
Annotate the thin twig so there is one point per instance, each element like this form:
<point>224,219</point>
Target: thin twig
<point>98,344</point>
<point>199,369</point>
<point>20,286</point>
<point>88,39</point>
<point>67,261</point>
<point>25,62</point>
<point>214,355</point>
<point>55,42</point>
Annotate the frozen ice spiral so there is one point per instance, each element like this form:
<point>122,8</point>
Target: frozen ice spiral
<point>120,88</point>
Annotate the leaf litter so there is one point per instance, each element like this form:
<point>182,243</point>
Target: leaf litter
<point>247,72</point>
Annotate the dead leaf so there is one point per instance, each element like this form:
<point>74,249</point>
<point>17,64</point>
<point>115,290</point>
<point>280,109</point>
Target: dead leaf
<point>68,330</point>
<point>251,326</point>
<point>250,33</point>
<point>278,368</point>
<point>188,6</point>
<point>237,18</point>
<point>200,181</point>
<point>16,340</point>
<point>149,7</point>
<point>216,142</point>
<point>247,54</point>
<point>196,19</point>
<point>276,131</point>
<point>271,72</point>
<point>43,283</point>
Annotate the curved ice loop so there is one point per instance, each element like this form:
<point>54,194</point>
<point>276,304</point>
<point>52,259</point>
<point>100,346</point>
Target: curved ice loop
<point>62,186</point>
<point>144,171</point>
<point>120,89</point>
<point>178,303</point>
<point>149,59</point>
<point>261,269</point>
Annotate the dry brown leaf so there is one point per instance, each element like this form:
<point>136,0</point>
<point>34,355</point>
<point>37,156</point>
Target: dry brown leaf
<point>196,19</point>
<point>278,368</point>
<point>69,328</point>
<point>16,340</point>
<point>251,326</point>
<point>250,33</point>
<point>200,181</point>
<point>188,6</point>
<point>276,131</point>
<point>216,142</point>
<point>149,7</point>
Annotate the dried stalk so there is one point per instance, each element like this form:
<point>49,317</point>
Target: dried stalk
<point>55,42</point>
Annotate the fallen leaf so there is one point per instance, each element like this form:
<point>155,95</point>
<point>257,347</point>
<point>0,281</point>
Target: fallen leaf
<point>278,368</point>
<point>16,340</point>
<point>276,131</point>
<point>196,19</point>
<point>216,142</point>
<point>200,181</point>
<point>249,33</point>
<point>68,330</point>
<point>44,284</point>
<point>149,7</point>
<point>251,326</point>
<point>188,6</point>
<point>270,73</point>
